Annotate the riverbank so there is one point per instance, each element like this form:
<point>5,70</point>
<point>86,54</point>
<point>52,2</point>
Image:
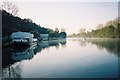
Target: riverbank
<point>72,58</point>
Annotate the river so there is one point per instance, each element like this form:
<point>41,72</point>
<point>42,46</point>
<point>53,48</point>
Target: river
<point>66,58</point>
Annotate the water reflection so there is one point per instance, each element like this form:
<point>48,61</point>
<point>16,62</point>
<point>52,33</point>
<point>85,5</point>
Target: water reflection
<point>63,43</point>
<point>111,45</point>
<point>13,57</point>
<point>82,42</point>
<point>19,55</point>
<point>12,71</point>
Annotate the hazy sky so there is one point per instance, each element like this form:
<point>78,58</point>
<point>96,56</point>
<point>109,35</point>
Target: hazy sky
<point>70,15</point>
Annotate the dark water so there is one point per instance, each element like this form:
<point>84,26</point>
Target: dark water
<point>67,58</point>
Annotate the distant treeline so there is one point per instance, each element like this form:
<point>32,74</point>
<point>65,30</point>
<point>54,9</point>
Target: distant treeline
<point>11,23</point>
<point>109,30</point>
<point>106,32</point>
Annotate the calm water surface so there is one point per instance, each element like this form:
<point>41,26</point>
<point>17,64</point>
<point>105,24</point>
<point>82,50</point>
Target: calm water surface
<point>67,58</point>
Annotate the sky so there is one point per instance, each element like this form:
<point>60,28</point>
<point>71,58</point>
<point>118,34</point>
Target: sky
<point>69,15</point>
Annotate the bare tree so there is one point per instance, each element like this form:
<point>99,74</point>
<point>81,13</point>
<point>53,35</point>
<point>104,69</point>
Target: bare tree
<point>10,7</point>
<point>82,30</point>
<point>57,30</point>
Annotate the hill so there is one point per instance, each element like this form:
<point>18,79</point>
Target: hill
<point>12,24</point>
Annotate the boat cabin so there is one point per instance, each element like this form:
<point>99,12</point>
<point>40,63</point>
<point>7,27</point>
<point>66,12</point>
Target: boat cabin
<point>22,37</point>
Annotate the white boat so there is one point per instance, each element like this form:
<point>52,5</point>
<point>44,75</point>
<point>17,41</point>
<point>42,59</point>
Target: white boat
<point>22,38</point>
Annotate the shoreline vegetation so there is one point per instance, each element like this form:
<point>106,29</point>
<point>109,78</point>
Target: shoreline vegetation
<point>11,23</point>
<point>110,29</point>
<point>29,48</point>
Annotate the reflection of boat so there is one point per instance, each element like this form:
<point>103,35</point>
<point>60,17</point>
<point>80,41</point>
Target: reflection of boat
<point>13,54</point>
<point>62,41</point>
<point>53,42</point>
<point>44,44</point>
<point>22,55</point>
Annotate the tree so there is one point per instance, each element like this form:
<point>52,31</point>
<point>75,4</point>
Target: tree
<point>10,8</point>
<point>117,31</point>
<point>82,32</point>
<point>28,20</point>
<point>110,31</point>
<point>99,26</point>
<point>115,22</point>
<point>54,35</point>
<point>109,23</point>
<point>56,30</point>
<point>62,35</point>
<point>72,35</point>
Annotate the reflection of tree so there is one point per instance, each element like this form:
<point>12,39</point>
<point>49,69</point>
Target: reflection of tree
<point>54,43</point>
<point>57,46</point>
<point>82,43</point>
<point>13,55</point>
<point>9,59</point>
<point>12,71</point>
<point>100,47</point>
<point>111,45</point>
<point>63,43</point>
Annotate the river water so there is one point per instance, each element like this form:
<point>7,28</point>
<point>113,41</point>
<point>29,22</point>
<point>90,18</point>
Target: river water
<point>65,58</point>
